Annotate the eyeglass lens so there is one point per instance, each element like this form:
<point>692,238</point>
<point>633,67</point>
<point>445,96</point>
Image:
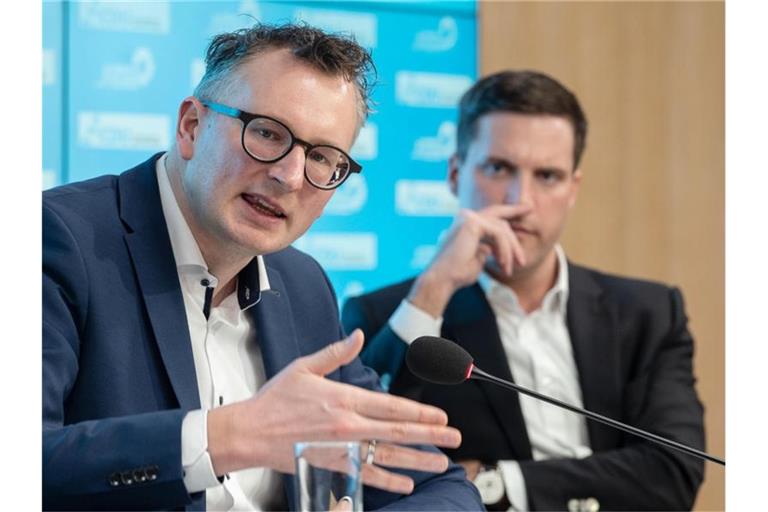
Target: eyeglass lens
<point>269,140</point>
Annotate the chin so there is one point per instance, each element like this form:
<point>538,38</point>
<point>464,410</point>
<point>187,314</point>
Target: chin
<point>259,243</point>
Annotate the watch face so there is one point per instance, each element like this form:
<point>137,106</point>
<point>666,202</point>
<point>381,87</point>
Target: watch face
<point>490,485</point>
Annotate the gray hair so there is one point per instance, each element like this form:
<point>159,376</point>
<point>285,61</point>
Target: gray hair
<point>333,54</point>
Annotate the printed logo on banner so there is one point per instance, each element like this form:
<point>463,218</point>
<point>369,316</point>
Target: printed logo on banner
<point>50,178</point>
<point>341,251</point>
<point>366,147</point>
<point>436,148</point>
<point>246,14</point>
<point>196,72</point>
<point>362,25</point>
<point>49,66</point>
<point>138,17</point>
<point>350,197</point>
<point>129,76</point>
<point>422,89</point>
<point>422,255</point>
<point>117,130</point>
<point>424,198</point>
<point>440,40</point>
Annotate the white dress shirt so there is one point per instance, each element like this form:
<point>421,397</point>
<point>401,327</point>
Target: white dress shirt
<point>228,362</point>
<point>540,356</point>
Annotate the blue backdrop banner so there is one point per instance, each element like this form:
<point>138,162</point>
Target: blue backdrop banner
<point>114,74</point>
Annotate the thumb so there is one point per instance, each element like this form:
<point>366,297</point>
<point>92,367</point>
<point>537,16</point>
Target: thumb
<point>335,355</point>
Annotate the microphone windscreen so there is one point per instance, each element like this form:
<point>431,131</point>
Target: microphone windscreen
<point>438,360</point>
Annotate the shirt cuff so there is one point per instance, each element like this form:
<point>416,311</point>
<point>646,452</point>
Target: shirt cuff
<point>410,322</point>
<point>514,483</point>
<point>195,459</point>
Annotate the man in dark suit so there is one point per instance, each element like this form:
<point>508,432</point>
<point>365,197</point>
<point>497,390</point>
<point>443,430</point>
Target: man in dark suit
<point>501,286</point>
<point>186,347</point>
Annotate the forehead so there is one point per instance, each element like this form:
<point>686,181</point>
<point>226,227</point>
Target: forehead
<point>315,105</point>
<point>534,139</point>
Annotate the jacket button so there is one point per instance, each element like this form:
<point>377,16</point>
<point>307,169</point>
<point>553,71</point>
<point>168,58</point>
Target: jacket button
<point>126,477</point>
<point>152,472</point>
<point>114,479</point>
<point>140,475</point>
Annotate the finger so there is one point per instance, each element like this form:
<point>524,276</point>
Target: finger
<point>496,234</point>
<point>409,433</point>
<point>394,456</point>
<point>335,355</point>
<point>484,250</point>
<point>517,249</point>
<point>343,505</point>
<point>382,406</point>
<point>380,478</point>
<point>506,211</point>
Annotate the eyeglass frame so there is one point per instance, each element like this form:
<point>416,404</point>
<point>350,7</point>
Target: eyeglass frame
<point>247,117</point>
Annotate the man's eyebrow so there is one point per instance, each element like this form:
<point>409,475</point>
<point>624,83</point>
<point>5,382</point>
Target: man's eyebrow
<point>551,168</point>
<point>503,162</point>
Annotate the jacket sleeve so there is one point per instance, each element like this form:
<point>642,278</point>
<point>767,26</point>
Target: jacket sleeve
<point>384,351</point>
<point>130,462</point>
<point>446,491</point>
<point>639,475</point>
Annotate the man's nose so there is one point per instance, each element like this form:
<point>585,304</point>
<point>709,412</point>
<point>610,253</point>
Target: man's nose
<point>519,189</point>
<point>289,170</point>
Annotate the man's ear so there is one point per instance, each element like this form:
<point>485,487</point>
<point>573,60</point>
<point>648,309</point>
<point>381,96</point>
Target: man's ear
<point>453,173</point>
<point>575,184</point>
<point>187,126</point>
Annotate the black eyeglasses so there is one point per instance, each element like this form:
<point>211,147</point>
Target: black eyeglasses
<point>268,140</point>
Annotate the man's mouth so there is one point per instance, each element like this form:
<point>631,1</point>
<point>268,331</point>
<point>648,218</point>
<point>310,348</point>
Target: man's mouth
<point>264,206</point>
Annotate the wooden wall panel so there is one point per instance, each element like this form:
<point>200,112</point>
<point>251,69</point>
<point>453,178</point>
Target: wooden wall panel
<point>650,76</point>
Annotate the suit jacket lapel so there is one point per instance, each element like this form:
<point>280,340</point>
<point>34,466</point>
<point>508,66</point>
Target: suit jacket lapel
<point>275,332</point>
<point>592,328</point>
<point>150,249</point>
<point>470,322</point>
<point>276,336</point>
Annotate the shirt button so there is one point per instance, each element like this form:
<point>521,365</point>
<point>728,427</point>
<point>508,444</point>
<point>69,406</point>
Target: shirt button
<point>114,479</point>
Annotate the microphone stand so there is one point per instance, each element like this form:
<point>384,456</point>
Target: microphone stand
<point>477,373</point>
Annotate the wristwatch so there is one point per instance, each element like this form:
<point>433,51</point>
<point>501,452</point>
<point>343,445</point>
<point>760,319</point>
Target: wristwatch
<point>491,486</point>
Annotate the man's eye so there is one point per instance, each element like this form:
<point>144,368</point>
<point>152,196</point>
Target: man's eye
<point>492,168</point>
<point>549,176</point>
<point>318,157</point>
<point>268,134</point>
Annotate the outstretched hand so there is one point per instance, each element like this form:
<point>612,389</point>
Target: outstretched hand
<point>300,404</point>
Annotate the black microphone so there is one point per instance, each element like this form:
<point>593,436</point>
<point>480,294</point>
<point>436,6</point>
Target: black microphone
<point>441,361</point>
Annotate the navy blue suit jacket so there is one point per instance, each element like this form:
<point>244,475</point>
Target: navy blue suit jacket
<point>118,372</point>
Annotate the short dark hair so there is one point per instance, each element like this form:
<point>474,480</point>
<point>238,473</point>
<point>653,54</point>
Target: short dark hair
<point>336,55</point>
<point>525,92</point>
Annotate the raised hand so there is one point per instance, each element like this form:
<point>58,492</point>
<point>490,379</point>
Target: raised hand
<point>472,238</point>
<point>300,404</point>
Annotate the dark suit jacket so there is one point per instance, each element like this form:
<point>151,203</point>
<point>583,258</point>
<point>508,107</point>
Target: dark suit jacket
<point>118,372</point>
<point>633,353</point>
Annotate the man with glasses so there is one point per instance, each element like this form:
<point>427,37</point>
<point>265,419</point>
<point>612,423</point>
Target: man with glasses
<point>186,347</point>
<point>501,286</point>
